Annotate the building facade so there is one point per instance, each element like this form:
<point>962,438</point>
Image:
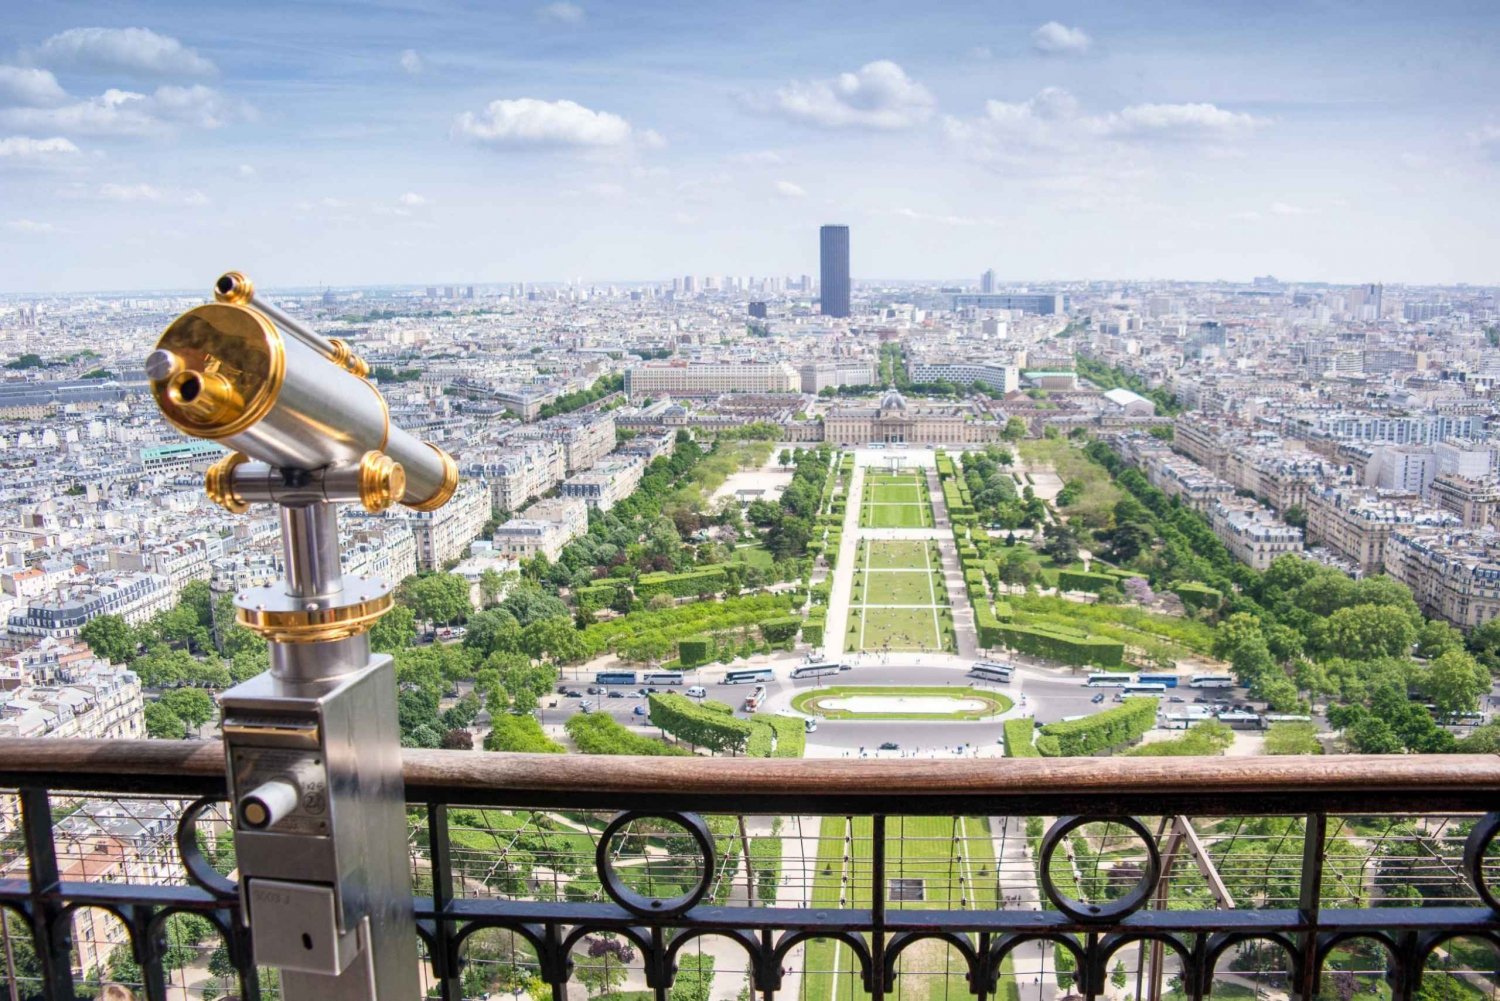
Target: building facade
<point>833,261</point>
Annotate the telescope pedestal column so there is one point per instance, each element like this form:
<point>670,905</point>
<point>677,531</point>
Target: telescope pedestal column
<point>314,758</point>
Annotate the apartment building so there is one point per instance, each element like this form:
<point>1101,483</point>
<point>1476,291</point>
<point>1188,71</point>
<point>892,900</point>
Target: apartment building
<point>1476,502</point>
<point>996,376</point>
<point>606,484</point>
<point>694,378</point>
<point>817,376</point>
<point>584,438</point>
<point>1251,533</point>
<point>135,597</point>
<point>1356,521</point>
<point>543,529</point>
<point>380,547</point>
<point>444,535</point>
<point>1454,574</point>
<point>521,473</point>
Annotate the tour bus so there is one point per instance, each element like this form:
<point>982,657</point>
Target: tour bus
<point>615,678</point>
<point>1130,690</point>
<point>747,677</point>
<point>1211,681</point>
<point>1267,720</point>
<point>1107,681</point>
<point>752,702</point>
<point>1170,680</point>
<point>988,670</point>
<point>1241,720</point>
<point>662,678</point>
<point>818,670</point>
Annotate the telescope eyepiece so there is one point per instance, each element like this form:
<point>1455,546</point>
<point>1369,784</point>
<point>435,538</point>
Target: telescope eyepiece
<point>204,396</point>
<point>234,288</point>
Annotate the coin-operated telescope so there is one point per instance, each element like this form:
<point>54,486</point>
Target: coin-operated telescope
<point>313,747</point>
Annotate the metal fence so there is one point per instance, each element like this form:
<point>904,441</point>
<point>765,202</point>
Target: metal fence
<point>646,879</point>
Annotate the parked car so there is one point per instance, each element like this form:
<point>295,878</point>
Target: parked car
<point>572,693</point>
<point>1175,698</point>
<point>585,706</point>
<point>1097,698</point>
<point>639,710</point>
<point>593,690</point>
<point>562,689</point>
<point>617,695</point>
<point>635,695</point>
<point>890,745</point>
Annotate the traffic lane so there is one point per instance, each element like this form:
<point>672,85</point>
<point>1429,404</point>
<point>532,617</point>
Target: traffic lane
<point>939,737</point>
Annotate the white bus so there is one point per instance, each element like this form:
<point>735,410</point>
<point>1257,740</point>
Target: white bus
<point>662,678</point>
<point>747,676</point>
<point>987,670</point>
<point>1241,720</point>
<point>817,670</point>
<point>1151,689</point>
<point>1108,680</point>
<point>1211,681</point>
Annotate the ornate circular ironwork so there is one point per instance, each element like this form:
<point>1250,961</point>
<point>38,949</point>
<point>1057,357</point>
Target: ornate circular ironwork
<point>1478,843</point>
<point>198,868</point>
<point>640,903</point>
<point>1112,910</point>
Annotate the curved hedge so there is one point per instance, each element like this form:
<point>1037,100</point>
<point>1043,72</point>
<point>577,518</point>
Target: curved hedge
<point>1196,596</point>
<point>689,583</point>
<point>780,629</point>
<point>1055,645</point>
<point>1099,732</point>
<point>599,733</point>
<point>1018,734</point>
<point>688,721</point>
<point>1078,580</point>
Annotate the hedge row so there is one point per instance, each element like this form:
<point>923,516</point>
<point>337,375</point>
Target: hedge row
<point>791,734</point>
<point>1052,644</point>
<point>688,721</point>
<point>780,629</point>
<point>1078,580</point>
<point>1018,735</point>
<point>695,652</point>
<point>1099,732</point>
<point>955,498</point>
<point>1195,595</point>
<point>812,631</point>
<point>598,733</point>
<point>700,580</point>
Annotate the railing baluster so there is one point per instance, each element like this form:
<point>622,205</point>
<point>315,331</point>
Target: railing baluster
<point>51,931</point>
<point>445,959</point>
<point>878,985</point>
<point>149,949</point>
<point>1310,901</point>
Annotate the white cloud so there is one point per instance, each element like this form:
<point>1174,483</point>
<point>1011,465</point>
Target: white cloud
<point>943,220</point>
<point>135,51</point>
<point>411,61</point>
<point>245,170</point>
<point>604,189</point>
<point>30,226</point>
<point>1285,208</point>
<point>1486,139</point>
<point>561,12</point>
<point>760,157</point>
<point>787,189</point>
<point>1056,39</point>
<point>1179,120</point>
<point>29,87</point>
<point>24,149</point>
<point>130,193</point>
<point>127,113</point>
<point>526,121</point>
<point>412,200</point>
<point>878,95</point>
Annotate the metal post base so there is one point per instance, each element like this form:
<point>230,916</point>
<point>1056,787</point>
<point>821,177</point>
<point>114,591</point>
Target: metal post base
<point>321,832</point>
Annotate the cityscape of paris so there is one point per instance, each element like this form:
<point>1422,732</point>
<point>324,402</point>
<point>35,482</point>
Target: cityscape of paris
<point>567,501</point>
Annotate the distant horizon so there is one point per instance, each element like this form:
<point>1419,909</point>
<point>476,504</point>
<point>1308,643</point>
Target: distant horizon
<point>352,146</point>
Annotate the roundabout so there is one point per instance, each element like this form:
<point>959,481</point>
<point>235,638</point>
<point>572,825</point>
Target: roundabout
<point>846,702</point>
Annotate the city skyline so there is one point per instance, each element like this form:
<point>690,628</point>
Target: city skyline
<point>435,142</point>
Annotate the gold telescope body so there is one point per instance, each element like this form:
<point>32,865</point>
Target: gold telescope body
<point>243,374</point>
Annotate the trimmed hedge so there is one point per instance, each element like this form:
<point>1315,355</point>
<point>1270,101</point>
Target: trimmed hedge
<point>987,626</point>
<point>689,583</point>
<point>791,734</point>
<point>1101,731</point>
<point>812,632</point>
<point>1055,645</point>
<point>781,629</point>
<point>1195,595</point>
<point>687,720</point>
<point>1078,580</point>
<point>598,733</point>
<point>695,652</point>
<point>1018,735</point>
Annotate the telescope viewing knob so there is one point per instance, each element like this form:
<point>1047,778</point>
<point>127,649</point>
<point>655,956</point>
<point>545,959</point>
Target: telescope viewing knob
<point>268,803</point>
<point>234,288</point>
<point>382,482</point>
<point>162,365</point>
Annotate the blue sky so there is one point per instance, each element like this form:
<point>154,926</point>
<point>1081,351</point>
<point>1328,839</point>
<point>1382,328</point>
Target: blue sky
<point>150,145</point>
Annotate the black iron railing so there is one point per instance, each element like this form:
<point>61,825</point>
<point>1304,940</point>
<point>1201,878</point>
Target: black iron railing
<point>830,880</point>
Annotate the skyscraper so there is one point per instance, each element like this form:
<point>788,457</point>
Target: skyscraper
<point>833,246</point>
<point>987,282</point>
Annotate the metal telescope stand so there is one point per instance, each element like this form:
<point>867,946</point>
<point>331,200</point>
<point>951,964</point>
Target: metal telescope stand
<point>314,759</point>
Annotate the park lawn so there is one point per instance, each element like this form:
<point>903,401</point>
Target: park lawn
<point>901,554</point>
<point>895,516</point>
<point>895,493</point>
<point>900,629</point>
<point>754,555</point>
<point>898,587</point>
<point>808,702</point>
<point>1127,623</point>
<point>1097,501</point>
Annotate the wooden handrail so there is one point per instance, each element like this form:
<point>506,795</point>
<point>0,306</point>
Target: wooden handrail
<point>1233,785</point>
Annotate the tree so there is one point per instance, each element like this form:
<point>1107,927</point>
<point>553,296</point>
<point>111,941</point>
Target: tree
<point>528,603</point>
<point>440,597</point>
<point>1014,430</point>
<point>193,706</point>
<point>162,723</point>
<point>1293,738</point>
<point>395,630</point>
<point>1454,682</point>
<point>490,586</point>
<point>1295,516</point>
<point>785,458</point>
<point>1060,544</point>
<point>520,733</point>
<point>555,638</point>
<point>492,630</point>
<point>1361,632</point>
<point>1484,643</point>
<point>111,638</point>
<point>1118,976</point>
